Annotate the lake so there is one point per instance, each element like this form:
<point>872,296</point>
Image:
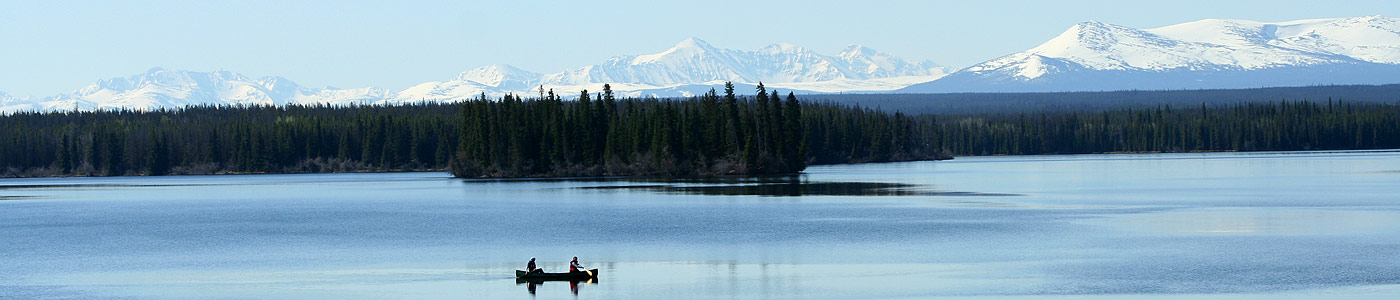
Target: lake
<point>1279,225</point>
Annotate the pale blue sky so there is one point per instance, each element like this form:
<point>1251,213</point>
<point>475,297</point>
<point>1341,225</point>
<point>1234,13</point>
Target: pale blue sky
<point>51,47</point>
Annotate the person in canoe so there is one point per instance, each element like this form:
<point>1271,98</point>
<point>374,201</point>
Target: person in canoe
<point>574,267</point>
<point>530,267</point>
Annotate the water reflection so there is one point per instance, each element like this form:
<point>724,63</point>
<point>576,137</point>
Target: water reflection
<point>791,186</point>
<point>532,285</point>
<point>1256,221</point>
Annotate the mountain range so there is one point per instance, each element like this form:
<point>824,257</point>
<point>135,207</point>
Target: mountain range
<point>692,67</point>
<point>1089,56</point>
<point>1206,54</point>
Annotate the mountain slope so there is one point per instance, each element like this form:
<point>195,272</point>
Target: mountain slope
<point>501,76</point>
<point>172,88</point>
<point>1203,54</point>
<point>690,61</point>
<point>689,68</point>
<point>694,61</point>
<point>10,103</point>
<point>692,67</point>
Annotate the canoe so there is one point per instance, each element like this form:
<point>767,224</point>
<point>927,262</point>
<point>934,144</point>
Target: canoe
<point>572,276</point>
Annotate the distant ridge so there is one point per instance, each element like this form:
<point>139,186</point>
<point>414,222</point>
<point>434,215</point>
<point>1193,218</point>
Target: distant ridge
<point>1206,54</point>
<point>691,67</point>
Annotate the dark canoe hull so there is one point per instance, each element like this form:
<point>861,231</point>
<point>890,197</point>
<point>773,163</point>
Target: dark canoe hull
<point>572,276</point>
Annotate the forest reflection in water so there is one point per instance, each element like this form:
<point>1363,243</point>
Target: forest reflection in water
<point>533,285</point>
<point>780,186</point>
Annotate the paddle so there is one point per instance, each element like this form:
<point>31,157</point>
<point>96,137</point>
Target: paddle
<point>585,270</point>
<point>574,265</point>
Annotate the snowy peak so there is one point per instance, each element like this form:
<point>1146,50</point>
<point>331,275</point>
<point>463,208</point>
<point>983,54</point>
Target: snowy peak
<point>875,64</point>
<point>160,87</point>
<point>856,50</point>
<point>10,103</point>
<point>784,62</point>
<point>694,61</point>
<point>1211,53</point>
<point>690,67</point>
<point>1097,35</point>
<point>690,61</point>
<point>6,100</point>
<point>1109,47</point>
<point>691,44</point>
<point>680,69</point>
<point>501,76</point>
<point>1212,44</point>
<point>277,82</point>
<point>785,48</point>
<point>1223,32</point>
<point>690,48</point>
<point>1373,39</point>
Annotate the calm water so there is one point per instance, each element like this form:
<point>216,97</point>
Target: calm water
<point>1264,226</point>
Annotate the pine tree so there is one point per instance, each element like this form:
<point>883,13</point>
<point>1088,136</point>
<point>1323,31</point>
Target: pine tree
<point>158,159</point>
<point>795,137</point>
<point>116,155</point>
<point>65,155</point>
<point>731,108</point>
<point>96,151</point>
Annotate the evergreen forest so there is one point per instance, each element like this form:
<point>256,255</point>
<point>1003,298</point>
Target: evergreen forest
<point>711,134</point>
<point>509,136</point>
<point>1264,126</point>
<point>598,134</point>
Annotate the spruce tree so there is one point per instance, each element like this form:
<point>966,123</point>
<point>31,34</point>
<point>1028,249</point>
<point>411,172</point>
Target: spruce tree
<point>158,159</point>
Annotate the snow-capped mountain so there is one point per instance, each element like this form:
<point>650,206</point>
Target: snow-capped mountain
<point>494,80</point>
<point>502,77</point>
<point>11,103</point>
<point>690,61</point>
<point>692,67</point>
<point>871,64</point>
<point>172,88</point>
<point>1211,53</point>
<point>695,61</point>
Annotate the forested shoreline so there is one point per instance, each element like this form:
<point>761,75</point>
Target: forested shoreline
<point>229,140</point>
<point>718,133</point>
<point>510,136</point>
<point>1265,126</point>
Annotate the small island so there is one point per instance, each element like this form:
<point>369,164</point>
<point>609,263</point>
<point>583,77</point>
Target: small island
<point>707,135</point>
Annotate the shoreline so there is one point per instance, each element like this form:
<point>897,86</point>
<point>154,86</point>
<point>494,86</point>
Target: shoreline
<point>444,170</point>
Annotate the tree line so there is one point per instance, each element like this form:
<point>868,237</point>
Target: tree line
<point>599,134</point>
<point>1271,126</point>
<point>228,139</point>
<point>510,136</point>
<point>706,135</point>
